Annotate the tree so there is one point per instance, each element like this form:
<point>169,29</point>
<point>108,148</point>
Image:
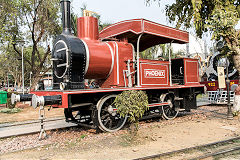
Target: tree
<point>35,21</point>
<point>160,52</point>
<point>220,17</point>
<point>7,59</point>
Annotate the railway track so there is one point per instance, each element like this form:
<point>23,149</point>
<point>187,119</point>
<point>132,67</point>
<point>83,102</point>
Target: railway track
<point>31,127</point>
<point>210,150</point>
<point>221,147</point>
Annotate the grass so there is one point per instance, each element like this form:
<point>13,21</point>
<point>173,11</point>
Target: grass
<point>127,140</point>
<point>10,111</point>
<point>74,142</point>
<point>83,136</point>
<point>71,144</point>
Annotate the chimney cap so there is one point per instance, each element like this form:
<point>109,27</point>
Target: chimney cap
<point>65,1</point>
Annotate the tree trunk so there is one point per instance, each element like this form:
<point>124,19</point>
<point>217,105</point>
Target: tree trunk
<point>233,45</point>
<point>35,80</point>
<point>236,60</point>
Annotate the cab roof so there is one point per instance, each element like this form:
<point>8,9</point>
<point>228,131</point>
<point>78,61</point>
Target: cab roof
<point>153,33</point>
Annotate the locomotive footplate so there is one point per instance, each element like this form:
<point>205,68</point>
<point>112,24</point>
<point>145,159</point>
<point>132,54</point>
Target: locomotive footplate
<point>93,108</point>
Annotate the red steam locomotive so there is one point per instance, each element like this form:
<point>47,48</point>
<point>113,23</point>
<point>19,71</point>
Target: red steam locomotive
<point>111,59</point>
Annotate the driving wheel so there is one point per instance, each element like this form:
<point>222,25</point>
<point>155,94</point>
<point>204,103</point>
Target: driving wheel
<point>109,119</point>
<point>169,111</point>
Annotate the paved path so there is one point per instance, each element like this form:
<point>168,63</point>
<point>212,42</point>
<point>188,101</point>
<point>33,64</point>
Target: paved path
<point>202,103</point>
<point>32,128</point>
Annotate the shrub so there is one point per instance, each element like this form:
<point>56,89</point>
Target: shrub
<point>10,111</point>
<point>9,104</point>
<point>132,104</point>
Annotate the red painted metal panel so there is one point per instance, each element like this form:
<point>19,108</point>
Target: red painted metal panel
<point>100,60</point>
<point>153,33</point>
<point>154,73</point>
<point>158,104</point>
<point>87,28</point>
<point>133,25</point>
<point>191,71</point>
<point>66,93</point>
<point>122,52</point>
<point>213,85</point>
<point>164,31</point>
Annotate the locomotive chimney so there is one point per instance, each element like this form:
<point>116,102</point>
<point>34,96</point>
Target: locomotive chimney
<point>66,16</point>
<point>87,28</point>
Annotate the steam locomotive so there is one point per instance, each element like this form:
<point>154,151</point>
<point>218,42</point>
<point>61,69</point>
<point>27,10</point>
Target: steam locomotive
<point>111,60</point>
<point>215,95</point>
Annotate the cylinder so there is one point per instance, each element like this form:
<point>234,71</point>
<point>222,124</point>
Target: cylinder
<point>66,16</point>
<point>87,28</point>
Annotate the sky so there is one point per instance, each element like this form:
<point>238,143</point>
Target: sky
<point>113,11</point>
<point>117,10</point>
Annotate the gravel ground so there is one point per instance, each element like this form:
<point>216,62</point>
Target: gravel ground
<point>63,137</point>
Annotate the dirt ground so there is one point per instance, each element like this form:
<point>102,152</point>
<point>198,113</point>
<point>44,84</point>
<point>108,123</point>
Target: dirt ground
<point>153,138</point>
<point>29,113</point>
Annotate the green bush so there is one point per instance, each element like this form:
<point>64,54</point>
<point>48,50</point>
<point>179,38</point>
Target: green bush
<point>10,111</point>
<point>9,104</point>
<point>132,104</point>
<point>9,94</point>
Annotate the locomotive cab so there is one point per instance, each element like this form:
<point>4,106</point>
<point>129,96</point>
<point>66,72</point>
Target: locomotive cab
<point>185,71</point>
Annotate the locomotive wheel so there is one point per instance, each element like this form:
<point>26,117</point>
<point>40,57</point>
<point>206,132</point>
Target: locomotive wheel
<point>169,112</point>
<point>108,118</point>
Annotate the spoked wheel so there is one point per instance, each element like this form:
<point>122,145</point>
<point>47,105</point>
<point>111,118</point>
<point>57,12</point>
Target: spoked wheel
<point>108,118</point>
<point>77,116</point>
<point>169,111</point>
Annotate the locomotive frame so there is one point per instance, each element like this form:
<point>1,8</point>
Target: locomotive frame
<point>112,58</point>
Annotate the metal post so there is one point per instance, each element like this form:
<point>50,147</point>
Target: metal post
<point>43,133</point>
<point>48,81</point>
<point>22,71</point>
<point>187,48</point>
<point>30,80</point>
<point>138,67</point>
<point>7,81</point>
<point>15,83</point>
<point>170,64</point>
<point>229,107</point>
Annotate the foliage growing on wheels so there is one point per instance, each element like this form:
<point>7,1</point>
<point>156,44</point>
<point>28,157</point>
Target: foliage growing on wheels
<point>132,104</point>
